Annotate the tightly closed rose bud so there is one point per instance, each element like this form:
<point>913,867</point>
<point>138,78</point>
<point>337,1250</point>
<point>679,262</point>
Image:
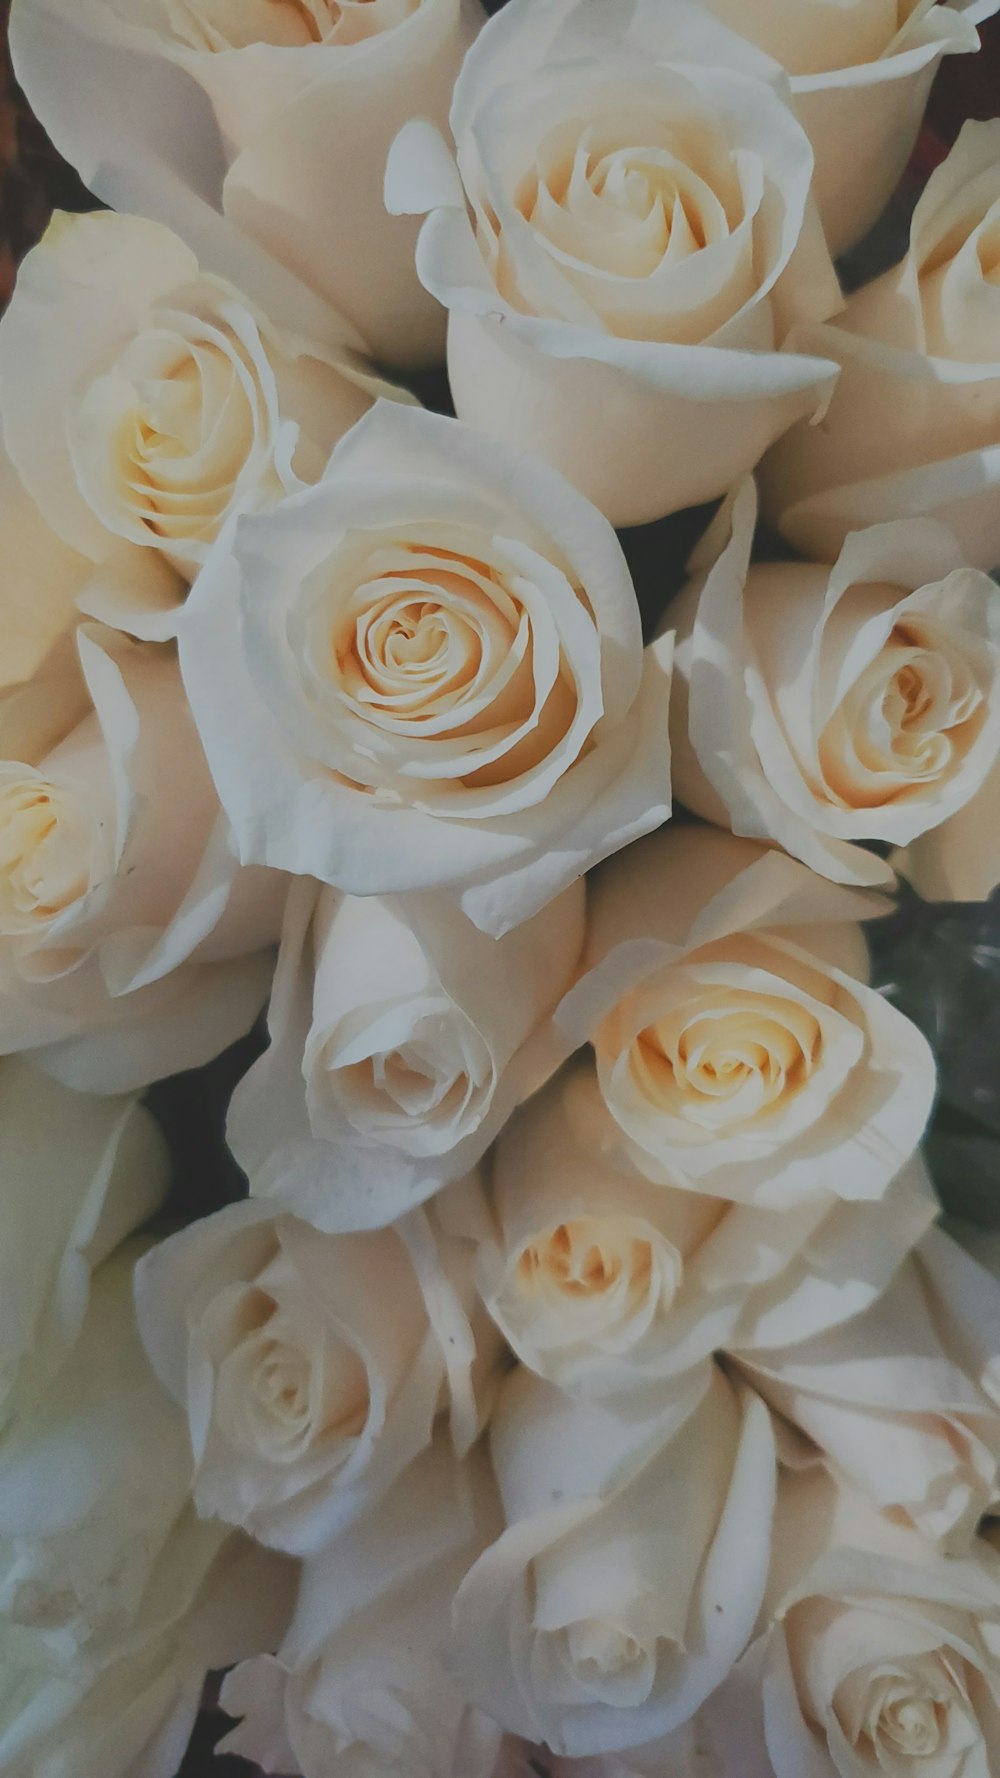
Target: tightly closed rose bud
<point>172,402</point>
<point>627,240</point>
<point>737,1046</point>
<point>278,113</point>
<point>914,425</point>
<point>401,1039</point>
<point>428,672</point>
<point>862,700</point>
<point>312,1366</point>
<point>358,1685</point>
<point>632,1568</point>
<point>611,1284</point>
<point>861,71</point>
<point>131,943</point>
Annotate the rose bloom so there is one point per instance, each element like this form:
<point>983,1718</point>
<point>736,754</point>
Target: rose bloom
<point>357,1686</point>
<point>881,1656</point>
<point>737,1046</point>
<point>311,1366</point>
<point>632,1568</point>
<point>861,72</point>
<point>623,249</point>
<point>172,402</point>
<point>914,425</point>
<point>131,943</point>
<point>79,1174</point>
<point>428,672</point>
<point>401,1039</point>
<point>276,113</point>
<point>610,1284</point>
<point>862,700</point>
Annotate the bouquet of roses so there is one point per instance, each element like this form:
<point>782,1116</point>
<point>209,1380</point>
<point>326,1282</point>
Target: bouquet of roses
<point>586,1386</point>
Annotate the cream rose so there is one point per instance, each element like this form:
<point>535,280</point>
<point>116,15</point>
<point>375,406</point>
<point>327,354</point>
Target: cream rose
<point>357,1686</point>
<point>171,403</point>
<point>276,113</point>
<point>632,1568</point>
<point>428,671</point>
<point>625,244</point>
<point>913,429</point>
<point>882,1657</point>
<point>131,943</point>
<point>312,1366</point>
<point>861,72</point>
<point>960,860</point>
<point>609,1284</point>
<point>738,1048</point>
<point>862,700</point>
<point>401,1039</point>
<point>79,1174</point>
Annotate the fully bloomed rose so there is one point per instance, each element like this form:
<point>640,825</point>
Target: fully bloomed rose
<point>632,1568</point>
<point>131,942</point>
<point>860,71</point>
<point>311,1366</point>
<point>276,113</point>
<point>625,244</point>
<point>862,700</point>
<point>401,1039</point>
<point>738,1047</point>
<point>171,402</point>
<point>427,672</point>
<point>913,428</point>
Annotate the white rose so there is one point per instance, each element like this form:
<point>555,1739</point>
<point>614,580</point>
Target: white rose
<point>625,244</point>
<point>961,1278</point>
<point>131,943</point>
<point>217,1598</point>
<point>737,1045</point>
<point>862,700</point>
<point>608,1283</point>
<point>913,429</point>
<point>171,402</point>
<point>682,1754</point>
<point>427,671</point>
<point>312,1366</point>
<point>79,1174</point>
<point>401,1039</point>
<point>960,860</point>
<point>892,1404</point>
<point>357,1686</point>
<point>632,1569</point>
<point>881,1657</point>
<point>861,72</point>
<point>277,115</point>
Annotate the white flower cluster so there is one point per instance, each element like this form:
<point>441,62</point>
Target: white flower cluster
<point>584,1388</point>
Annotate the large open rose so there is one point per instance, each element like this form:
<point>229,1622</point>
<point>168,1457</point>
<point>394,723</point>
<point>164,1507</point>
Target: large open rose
<point>276,113</point>
<point>623,248</point>
<point>428,671</point>
<point>914,425</point>
<point>862,700</point>
<point>738,1048</point>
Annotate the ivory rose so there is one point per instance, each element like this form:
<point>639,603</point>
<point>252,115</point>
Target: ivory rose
<point>738,1048</point>
<point>913,429</point>
<point>860,72</point>
<point>609,1284</point>
<point>862,700</point>
<point>357,1686</point>
<point>79,1174</point>
<point>625,244</point>
<point>171,402</point>
<point>427,672</point>
<point>960,860</point>
<point>277,114</point>
<point>401,1039</point>
<point>131,943</point>
<point>632,1567</point>
<point>881,1656</point>
<point>311,1366</point>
